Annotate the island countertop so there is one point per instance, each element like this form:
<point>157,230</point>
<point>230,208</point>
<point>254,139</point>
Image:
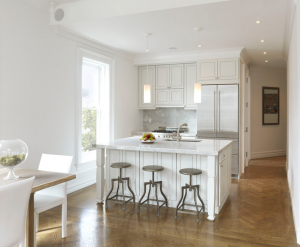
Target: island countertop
<point>205,147</point>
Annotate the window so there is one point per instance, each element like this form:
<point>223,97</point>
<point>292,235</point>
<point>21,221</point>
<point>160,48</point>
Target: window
<point>94,107</point>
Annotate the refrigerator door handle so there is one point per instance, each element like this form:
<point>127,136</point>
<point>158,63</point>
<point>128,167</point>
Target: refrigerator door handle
<point>214,111</point>
<point>219,110</point>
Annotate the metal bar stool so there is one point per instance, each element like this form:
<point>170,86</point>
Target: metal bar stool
<point>190,172</point>
<point>120,180</point>
<point>153,183</point>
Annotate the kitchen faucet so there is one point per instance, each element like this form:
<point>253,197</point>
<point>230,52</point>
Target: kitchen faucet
<point>178,134</point>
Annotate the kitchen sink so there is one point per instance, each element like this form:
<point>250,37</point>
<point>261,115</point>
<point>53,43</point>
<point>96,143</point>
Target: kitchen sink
<point>182,140</point>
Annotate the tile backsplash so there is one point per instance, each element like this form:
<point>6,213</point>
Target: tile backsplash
<point>169,117</point>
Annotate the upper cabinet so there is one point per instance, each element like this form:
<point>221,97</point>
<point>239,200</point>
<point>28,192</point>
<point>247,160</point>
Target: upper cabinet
<point>176,76</point>
<point>147,77</point>
<point>173,85</point>
<point>208,69</point>
<point>219,69</point>
<point>162,76</point>
<point>228,68</point>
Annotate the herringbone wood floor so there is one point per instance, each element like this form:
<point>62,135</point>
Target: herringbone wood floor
<point>257,213</point>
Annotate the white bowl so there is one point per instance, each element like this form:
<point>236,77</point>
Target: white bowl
<point>148,141</point>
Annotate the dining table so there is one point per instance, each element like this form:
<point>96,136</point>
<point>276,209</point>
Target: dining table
<point>43,180</point>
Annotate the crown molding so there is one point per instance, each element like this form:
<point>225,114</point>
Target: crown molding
<point>186,57</point>
<point>289,23</point>
<point>273,69</point>
<point>79,38</point>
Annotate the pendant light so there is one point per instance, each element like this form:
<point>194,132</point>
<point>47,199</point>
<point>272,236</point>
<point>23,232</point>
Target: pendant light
<point>147,86</point>
<point>197,85</point>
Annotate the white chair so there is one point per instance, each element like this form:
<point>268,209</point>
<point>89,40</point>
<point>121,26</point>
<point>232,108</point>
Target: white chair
<point>55,195</point>
<point>14,200</point>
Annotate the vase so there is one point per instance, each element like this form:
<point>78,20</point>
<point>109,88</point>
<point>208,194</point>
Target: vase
<point>12,154</point>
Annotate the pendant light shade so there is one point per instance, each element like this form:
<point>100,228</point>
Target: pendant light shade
<point>197,93</point>
<point>147,87</point>
<point>147,93</point>
<point>197,86</point>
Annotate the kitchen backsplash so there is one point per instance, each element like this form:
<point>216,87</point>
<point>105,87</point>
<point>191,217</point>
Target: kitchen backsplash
<point>169,117</point>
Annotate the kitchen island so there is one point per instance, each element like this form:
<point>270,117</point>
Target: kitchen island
<point>213,157</point>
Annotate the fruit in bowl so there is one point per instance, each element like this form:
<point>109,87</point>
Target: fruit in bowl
<point>148,137</point>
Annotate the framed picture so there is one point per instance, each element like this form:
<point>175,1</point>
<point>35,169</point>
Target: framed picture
<point>270,106</point>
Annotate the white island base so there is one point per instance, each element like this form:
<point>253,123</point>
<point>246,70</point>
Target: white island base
<point>213,157</point>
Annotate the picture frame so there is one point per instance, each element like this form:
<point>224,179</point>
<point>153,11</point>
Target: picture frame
<point>270,106</point>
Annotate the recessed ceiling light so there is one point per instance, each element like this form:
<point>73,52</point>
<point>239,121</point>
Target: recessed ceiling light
<point>265,52</point>
<point>147,50</point>
<point>173,48</point>
<point>257,22</point>
<point>199,45</point>
<point>262,41</point>
<point>266,61</point>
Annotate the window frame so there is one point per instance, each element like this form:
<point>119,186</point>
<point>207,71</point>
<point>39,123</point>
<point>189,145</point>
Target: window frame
<point>101,59</point>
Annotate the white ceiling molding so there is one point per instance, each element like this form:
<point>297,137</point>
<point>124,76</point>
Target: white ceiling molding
<point>95,9</point>
<point>245,56</point>
<point>108,50</point>
<point>289,22</point>
<point>186,57</point>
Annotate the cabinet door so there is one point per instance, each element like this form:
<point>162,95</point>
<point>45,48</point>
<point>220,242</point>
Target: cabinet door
<point>207,69</point>
<point>146,77</point>
<point>176,97</point>
<point>228,68</point>
<point>162,76</point>
<point>162,97</point>
<point>190,75</point>
<point>176,76</point>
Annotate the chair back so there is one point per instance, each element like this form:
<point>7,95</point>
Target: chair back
<point>55,163</point>
<point>14,200</point>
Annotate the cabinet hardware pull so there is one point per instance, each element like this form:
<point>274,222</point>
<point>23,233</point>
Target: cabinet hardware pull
<point>221,165</point>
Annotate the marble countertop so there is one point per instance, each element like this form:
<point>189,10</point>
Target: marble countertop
<point>205,147</point>
<point>141,132</point>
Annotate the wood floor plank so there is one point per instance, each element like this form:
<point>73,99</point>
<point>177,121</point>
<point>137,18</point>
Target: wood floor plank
<point>257,213</point>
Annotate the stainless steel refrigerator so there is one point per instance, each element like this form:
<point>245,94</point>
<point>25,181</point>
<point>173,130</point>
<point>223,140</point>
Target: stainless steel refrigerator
<point>218,117</point>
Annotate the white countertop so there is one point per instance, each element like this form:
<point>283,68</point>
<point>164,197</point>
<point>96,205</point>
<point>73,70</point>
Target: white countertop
<point>205,147</point>
<point>141,132</point>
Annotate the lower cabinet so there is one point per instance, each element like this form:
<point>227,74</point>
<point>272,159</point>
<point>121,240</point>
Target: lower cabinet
<point>171,179</point>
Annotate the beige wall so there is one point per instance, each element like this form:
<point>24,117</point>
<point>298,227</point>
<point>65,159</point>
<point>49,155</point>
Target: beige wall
<point>267,140</point>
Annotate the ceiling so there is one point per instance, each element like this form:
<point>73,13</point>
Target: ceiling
<point>226,24</point>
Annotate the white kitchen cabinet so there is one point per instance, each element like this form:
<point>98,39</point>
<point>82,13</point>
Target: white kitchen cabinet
<point>176,76</point>
<point>162,76</point>
<point>208,69</point>
<point>218,71</point>
<point>190,78</point>
<point>146,77</point>
<point>176,97</point>
<point>162,97</point>
<point>169,97</point>
<point>228,68</point>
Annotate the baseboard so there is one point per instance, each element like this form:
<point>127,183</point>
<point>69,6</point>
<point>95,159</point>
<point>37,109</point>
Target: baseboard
<point>296,222</point>
<point>267,154</point>
<point>83,179</point>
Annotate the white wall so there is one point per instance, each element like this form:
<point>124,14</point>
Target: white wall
<point>37,82</point>
<point>267,140</point>
<point>293,154</point>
